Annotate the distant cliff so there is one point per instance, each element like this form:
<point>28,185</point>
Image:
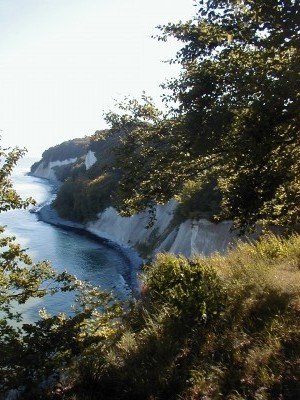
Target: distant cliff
<point>46,169</point>
<point>86,193</point>
<point>63,154</point>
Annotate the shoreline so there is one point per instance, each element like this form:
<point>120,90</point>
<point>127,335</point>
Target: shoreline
<point>133,261</point>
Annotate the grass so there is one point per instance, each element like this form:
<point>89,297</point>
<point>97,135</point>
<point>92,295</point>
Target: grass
<point>221,327</point>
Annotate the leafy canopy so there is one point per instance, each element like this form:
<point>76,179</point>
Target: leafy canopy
<point>232,115</point>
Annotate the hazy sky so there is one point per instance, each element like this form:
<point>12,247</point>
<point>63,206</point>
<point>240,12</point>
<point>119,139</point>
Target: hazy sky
<point>62,62</point>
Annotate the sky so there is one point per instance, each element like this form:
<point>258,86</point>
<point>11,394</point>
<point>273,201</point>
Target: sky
<point>65,62</point>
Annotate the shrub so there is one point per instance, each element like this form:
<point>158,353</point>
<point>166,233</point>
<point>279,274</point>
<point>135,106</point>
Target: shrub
<point>222,327</point>
<point>218,327</point>
<point>191,289</point>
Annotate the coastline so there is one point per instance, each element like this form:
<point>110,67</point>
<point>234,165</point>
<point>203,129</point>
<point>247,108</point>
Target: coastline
<point>133,261</point>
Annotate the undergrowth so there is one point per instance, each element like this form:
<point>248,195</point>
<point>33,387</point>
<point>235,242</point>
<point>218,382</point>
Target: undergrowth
<point>221,327</point>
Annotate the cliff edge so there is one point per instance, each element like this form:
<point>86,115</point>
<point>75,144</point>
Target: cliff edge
<point>185,237</point>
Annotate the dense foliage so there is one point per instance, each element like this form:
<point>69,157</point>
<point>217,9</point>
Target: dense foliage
<point>82,199</point>
<point>86,192</point>
<point>224,327</point>
<point>233,115</point>
<point>218,327</point>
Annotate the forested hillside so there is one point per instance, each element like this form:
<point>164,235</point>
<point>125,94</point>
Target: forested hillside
<point>75,148</point>
<point>232,116</point>
<point>231,124</point>
<point>84,190</point>
<point>88,191</point>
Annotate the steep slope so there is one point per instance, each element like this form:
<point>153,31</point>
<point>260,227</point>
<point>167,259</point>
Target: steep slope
<point>59,156</point>
<point>186,238</point>
<point>89,182</point>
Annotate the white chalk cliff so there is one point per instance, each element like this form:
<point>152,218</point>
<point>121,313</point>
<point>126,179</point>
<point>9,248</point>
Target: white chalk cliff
<point>46,170</point>
<point>187,238</point>
<point>90,159</point>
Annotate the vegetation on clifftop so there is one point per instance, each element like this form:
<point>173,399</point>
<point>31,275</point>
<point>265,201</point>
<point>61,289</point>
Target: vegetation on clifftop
<point>218,327</point>
<point>75,148</point>
<point>86,192</point>
<point>221,327</point>
<point>231,124</point>
<point>232,115</point>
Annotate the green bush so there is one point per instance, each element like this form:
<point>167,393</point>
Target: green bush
<point>192,289</point>
<point>222,327</point>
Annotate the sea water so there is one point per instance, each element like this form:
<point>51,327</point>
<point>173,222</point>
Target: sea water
<point>82,256</point>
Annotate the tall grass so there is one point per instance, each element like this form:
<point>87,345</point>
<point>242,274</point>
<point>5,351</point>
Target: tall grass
<point>221,327</point>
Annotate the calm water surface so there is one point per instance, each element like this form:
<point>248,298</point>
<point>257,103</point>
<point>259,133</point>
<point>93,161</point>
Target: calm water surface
<point>79,255</point>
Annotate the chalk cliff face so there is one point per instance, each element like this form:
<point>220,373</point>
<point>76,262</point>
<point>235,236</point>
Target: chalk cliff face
<point>90,159</point>
<point>47,171</point>
<point>199,237</point>
<point>187,238</point>
<point>133,230</point>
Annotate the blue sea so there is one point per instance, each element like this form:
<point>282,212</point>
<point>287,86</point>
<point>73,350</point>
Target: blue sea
<point>88,259</point>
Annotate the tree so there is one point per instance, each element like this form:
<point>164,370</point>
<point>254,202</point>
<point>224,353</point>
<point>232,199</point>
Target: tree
<point>30,353</point>
<point>233,115</point>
